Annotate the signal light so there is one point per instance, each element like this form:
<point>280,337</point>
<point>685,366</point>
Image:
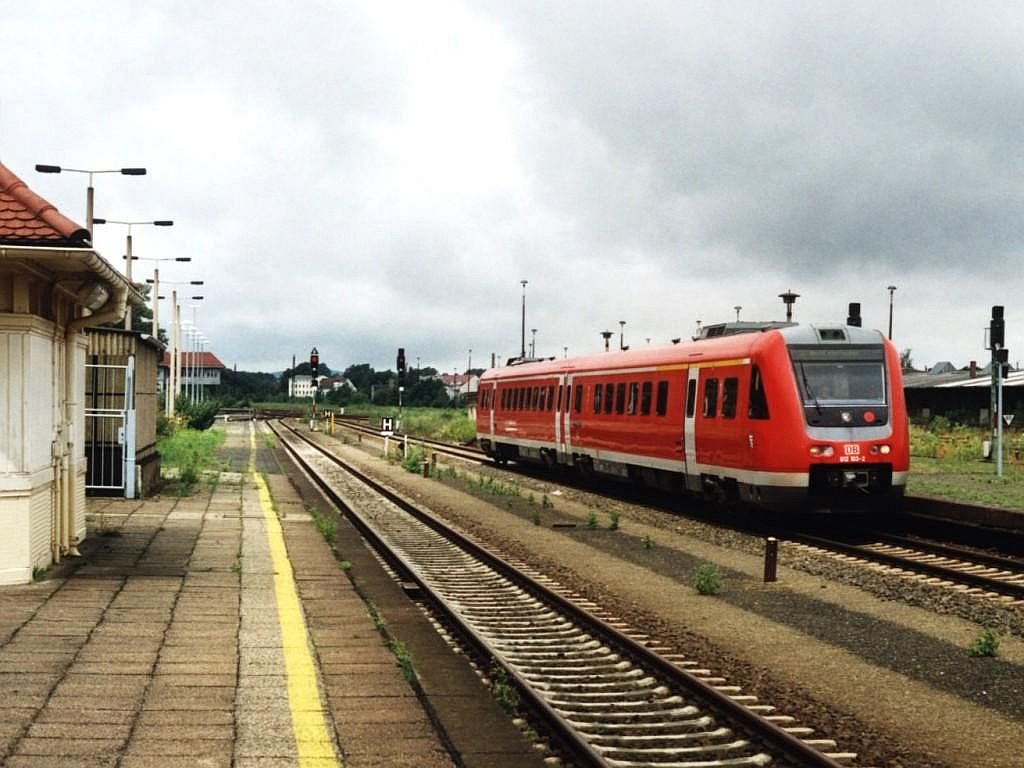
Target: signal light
<point>997,329</point>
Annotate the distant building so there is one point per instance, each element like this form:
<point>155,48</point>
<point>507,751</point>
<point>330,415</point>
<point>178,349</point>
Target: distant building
<point>198,369</point>
<point>964,395</point>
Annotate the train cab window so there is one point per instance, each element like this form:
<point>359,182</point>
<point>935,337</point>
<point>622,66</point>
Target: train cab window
<point>558,403</point>
<point>534,398</point>
<point>691,398</point>
<point>609,396</point>
<point>661,407</point>
<point>634,396</point>
<point>551,396</point>
<point>758,406</point>
<point>730,393</point>
<point>645,399</point>
<point>710,398</point>
<point>598,389</point>
<point>578,402</point>
<point>542,400</point>
<point>520,397</point>
<point>620,398</point>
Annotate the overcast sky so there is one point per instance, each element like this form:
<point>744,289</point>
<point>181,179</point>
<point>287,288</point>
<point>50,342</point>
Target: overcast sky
<point>359,176</point>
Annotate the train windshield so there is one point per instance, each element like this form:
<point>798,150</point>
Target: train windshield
<point>841,383</point>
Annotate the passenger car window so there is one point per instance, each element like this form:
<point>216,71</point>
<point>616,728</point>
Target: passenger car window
<point>598,389</point>
<point>609,396</point>
<point>758,406</point>
<point>710,398</point>
<point>578,405</point>
<point>620,398</point>
<point>645,399</point>
<point>634,395</point>
<point>661,407</point>
<point>730,393</point>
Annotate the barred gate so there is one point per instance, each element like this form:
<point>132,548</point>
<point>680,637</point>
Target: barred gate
<point>110,429</point>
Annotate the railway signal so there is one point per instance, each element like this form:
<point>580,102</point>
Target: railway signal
<point>999,368</point>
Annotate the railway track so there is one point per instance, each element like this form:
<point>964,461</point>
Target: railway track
<point>609,696</point>
<point>1001,578</point>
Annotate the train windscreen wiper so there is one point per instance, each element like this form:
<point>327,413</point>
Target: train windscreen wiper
<point>808,390</point>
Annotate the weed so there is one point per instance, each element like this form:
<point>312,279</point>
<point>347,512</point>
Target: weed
<point>327,526</point>
<point>613,522</point>
<point>345,565</point>
<point>271,440</point>
<point>413,462</point>
<point>986,644</point>
<point>404,659</point>
<point>547,503</point>
<point>531,500</point>
<point>707,580</point>
<point>502,689</point>
<point>236,567</point>
<point>647,542</point>
<point>378,621</point>
<point>535,517</point>
<point>592,519</point>
<point>38,573</point>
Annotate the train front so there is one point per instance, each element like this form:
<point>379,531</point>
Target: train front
<point>852,417</point>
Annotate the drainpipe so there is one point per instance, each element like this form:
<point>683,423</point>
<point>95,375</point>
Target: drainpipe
<point>112,311</point>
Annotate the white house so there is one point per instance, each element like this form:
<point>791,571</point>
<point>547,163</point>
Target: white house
<point>53,286</point>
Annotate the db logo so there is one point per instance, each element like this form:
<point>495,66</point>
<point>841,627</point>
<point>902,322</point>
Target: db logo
<point>851,449</point>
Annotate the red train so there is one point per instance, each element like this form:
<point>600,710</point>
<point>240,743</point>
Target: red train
<point>777,415</point>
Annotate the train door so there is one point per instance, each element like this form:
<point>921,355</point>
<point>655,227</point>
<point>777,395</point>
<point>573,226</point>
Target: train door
<point>563,419</point>
<point>490,410</point>
<point>690,471</point>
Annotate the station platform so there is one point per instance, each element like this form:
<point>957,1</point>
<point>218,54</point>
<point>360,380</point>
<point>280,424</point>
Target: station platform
<point>214,630</point>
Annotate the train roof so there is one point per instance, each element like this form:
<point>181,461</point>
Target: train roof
<point>732,343</point>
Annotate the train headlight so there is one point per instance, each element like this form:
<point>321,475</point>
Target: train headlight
<point>821,450</point>
<point>846,417</point>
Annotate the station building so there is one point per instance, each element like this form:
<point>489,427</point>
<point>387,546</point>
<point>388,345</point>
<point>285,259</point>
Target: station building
<point>53,286</point>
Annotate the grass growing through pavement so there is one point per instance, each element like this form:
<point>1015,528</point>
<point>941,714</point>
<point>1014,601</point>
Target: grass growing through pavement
<point>191,452</point>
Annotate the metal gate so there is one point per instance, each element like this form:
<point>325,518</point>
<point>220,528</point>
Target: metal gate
<point>110,429</point>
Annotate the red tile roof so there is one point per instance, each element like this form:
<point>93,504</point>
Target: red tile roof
<point>201,359</point>
<point>28,219</point>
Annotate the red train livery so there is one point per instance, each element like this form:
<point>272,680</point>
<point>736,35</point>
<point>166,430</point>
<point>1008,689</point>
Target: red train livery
<point>780,416</point>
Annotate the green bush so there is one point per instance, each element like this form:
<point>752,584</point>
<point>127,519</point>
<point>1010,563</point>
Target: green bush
<point>986,644</point>
<point>707,580</point>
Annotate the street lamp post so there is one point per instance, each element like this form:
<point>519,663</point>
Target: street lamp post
<point>738,308</point>
<point>522,335</point>
<point>174,336</point>
<point>128,252</point>
<point>892,290</point>
<point>606,335</point>
<point>533,343</point>
<point>622,335</point>
<point>156,285</point>
<point>89,190</point>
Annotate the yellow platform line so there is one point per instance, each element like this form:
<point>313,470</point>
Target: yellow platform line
<point>312,737</point>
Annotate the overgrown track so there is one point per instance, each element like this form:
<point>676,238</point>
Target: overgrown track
<point>611,699</point>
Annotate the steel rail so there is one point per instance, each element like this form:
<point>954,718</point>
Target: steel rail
<point>782,742</point>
